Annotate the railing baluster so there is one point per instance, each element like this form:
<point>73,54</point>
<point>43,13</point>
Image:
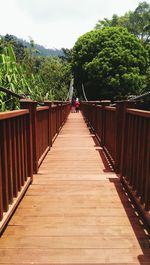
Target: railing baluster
<point>143,153</point>
<point>4,168</point>
<point>147,172</point>
<point>9,161</point>
<point>25,144</point>
<point>18,153</point>
<point>22,153</point>
<point>1,190</point>
<point>15,170</point>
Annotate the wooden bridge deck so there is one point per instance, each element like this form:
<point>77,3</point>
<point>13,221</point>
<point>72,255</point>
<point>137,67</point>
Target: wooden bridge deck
<point>76,211</point>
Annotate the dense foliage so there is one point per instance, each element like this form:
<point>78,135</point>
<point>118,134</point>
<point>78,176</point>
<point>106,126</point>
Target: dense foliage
<point>56,75</point>
<point>111,63</point>
<point>137,22</point>
<point>24,71</point>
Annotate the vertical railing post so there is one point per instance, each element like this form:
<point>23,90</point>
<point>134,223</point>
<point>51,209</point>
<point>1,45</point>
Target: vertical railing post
<point>97,103</point>
<point>61,114</point>
<point>31,105</point>
<point>103,103</point>
<point>147,173</point>
<point>50,124</point>
<point>120,116</point>
<point>56,103</point>
<point>1,192</point>
<point>121,107</point>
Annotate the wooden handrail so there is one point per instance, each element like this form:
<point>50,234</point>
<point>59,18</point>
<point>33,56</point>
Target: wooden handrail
<point>42,108</point>
<point>140,113</point>
<point>12,114</point>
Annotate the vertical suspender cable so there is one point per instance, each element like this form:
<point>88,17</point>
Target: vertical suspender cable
<point>70,92</point>
<point>84,93</point>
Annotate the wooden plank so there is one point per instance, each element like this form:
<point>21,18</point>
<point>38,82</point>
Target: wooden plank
<point>74,220</point>
<point>59,256</point>
<point>71,190</point>
<point>71,242</point>
<point>129,263</point>
<point>35,201</point>
<point>74,230</point>
<point>93,211</point>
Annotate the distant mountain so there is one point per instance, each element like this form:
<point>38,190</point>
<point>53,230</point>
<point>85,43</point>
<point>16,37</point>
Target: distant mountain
<point>42,50</point>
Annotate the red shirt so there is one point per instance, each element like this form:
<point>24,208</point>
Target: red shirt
<point>77,104</point>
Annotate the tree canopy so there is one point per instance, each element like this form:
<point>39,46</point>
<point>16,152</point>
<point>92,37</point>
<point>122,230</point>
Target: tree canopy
<point>110,62</point>
<point>137,22</point>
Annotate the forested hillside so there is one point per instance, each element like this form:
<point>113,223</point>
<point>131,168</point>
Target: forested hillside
<point>40,49</point>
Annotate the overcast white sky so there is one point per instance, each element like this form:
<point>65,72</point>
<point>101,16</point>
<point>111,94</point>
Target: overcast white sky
<point>57,23</point>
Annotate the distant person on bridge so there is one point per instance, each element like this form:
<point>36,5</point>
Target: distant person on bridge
<point>73,109</point>
<point>77,104</point>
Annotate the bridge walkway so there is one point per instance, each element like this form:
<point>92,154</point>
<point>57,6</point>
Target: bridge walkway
<point>76,211</point>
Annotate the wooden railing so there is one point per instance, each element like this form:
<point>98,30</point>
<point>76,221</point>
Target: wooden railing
<point>46,124</point>
<point>135,162</point>
<point>26,137</point>
<point>124,134</point>
<point>15,160</point>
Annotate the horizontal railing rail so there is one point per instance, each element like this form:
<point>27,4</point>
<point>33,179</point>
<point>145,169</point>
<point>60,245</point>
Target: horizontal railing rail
<point>124,134</point>
<point>26,137</point>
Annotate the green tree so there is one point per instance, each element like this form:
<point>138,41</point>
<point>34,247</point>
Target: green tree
<point>18,47</point>
<point>137,22</point>
<point>110,62</point>
<point>140,22</point>
<point>56,75</point>
<point>67,55</point>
